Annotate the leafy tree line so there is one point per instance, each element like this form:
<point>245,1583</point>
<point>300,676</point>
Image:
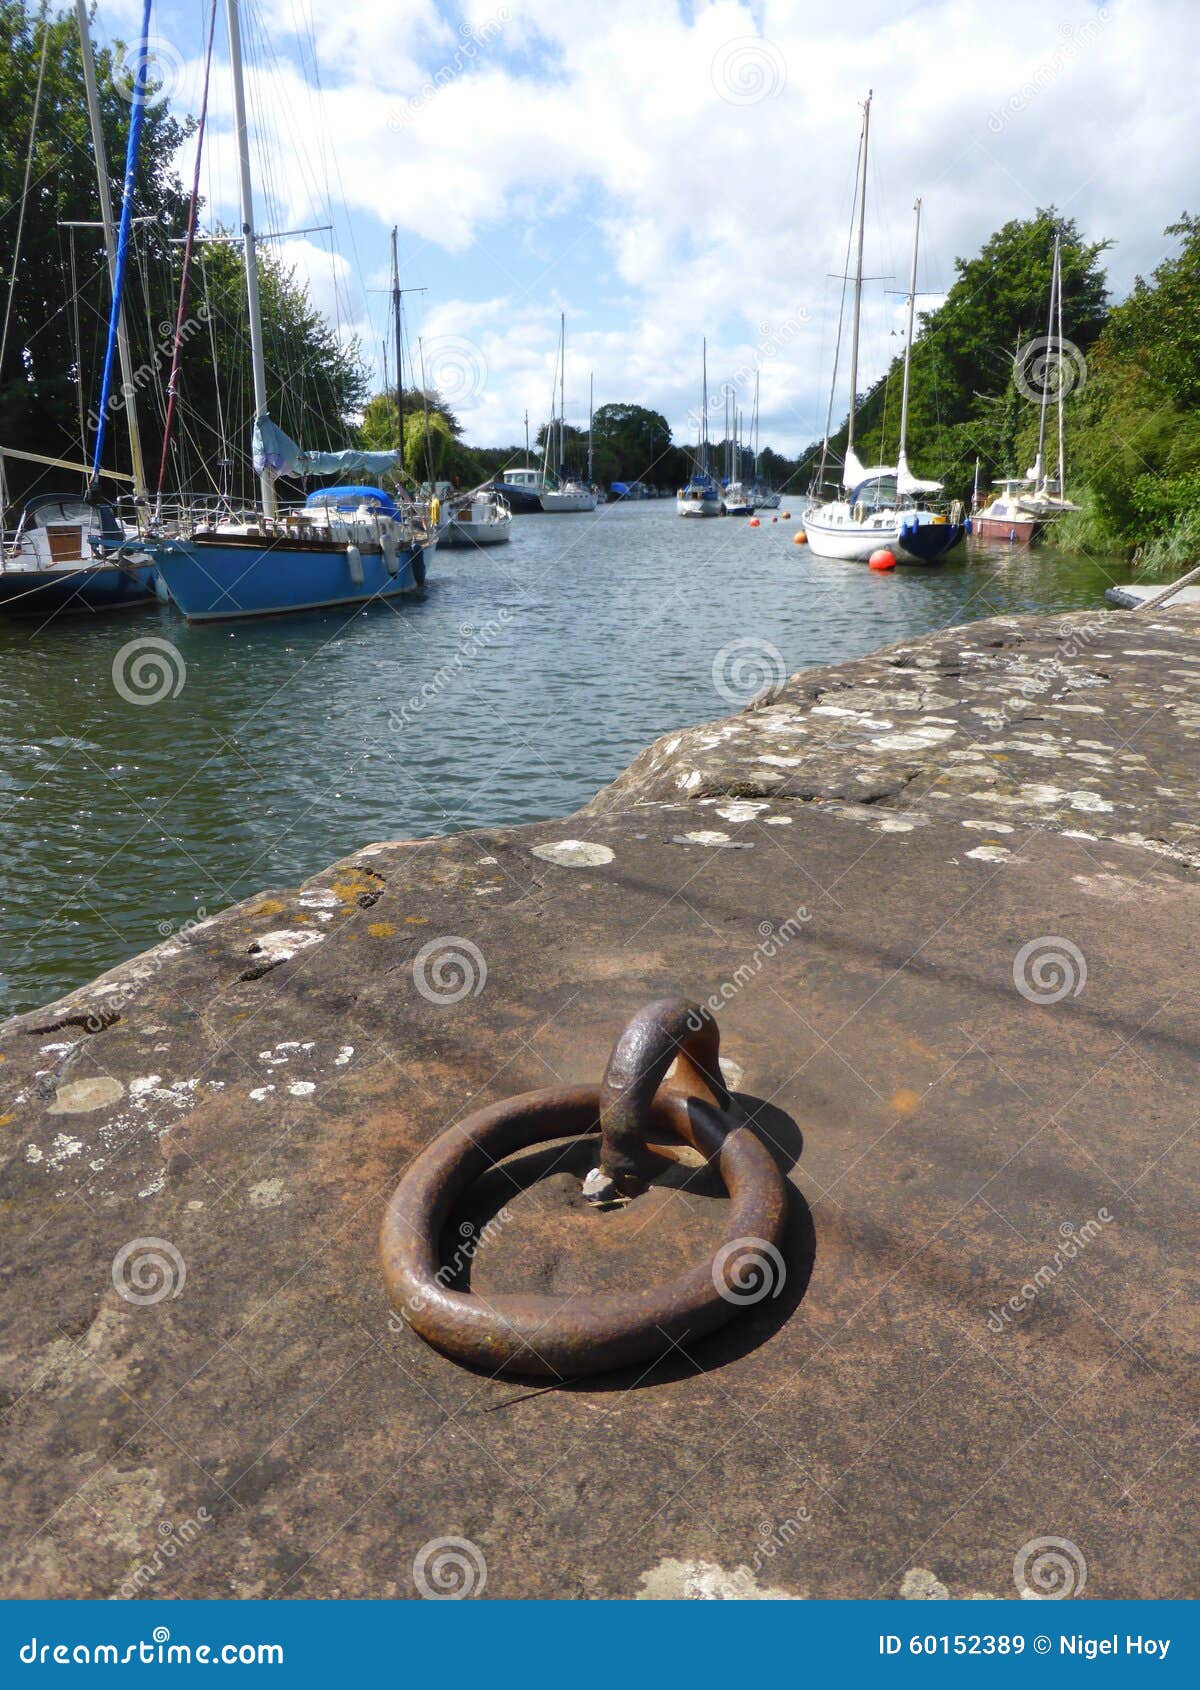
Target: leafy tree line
<point>1131,373</point>
<point>60,290</point>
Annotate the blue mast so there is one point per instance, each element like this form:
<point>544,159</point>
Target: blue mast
<point>123,232</point>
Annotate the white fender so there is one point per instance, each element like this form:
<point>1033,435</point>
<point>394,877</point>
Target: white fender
<point>354,559</point>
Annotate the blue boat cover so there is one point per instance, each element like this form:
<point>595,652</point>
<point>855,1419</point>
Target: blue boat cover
<point>277,452</point>
<point>354,495</point>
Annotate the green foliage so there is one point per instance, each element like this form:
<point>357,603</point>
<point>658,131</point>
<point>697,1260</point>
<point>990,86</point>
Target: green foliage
<point>314,382</point>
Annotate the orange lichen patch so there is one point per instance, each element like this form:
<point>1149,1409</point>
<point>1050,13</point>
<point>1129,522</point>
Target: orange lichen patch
<point>920,1049</point>
<point>5,1119</point>
<point>269,906</point>
<point>357,886</point>
<point>905,1100</point>
<point>417,920</point>
<point>381,929</point>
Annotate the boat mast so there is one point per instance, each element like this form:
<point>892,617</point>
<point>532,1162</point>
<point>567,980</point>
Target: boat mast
<point>1037,475</point>
<point>901,458</point>
<point>1062,459</point>
<point>399,348</point>
<point>110,245</point>
<point>562,395</point>
<point>704,406</point>
<point>527,439</point>
<point>858,269</point>
<point>591,415</point>
<point>754,425</point>
<point>258,362</point>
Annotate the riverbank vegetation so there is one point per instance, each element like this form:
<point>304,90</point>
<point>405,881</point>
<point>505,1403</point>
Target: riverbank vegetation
<point>1131,370</point>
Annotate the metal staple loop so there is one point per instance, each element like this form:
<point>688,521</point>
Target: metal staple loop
<point>547,1337</point>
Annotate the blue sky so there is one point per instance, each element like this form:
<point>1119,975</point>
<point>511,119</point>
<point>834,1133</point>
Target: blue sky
<point>661,171</point>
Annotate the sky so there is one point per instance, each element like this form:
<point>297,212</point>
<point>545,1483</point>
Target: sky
<point>662,171</point>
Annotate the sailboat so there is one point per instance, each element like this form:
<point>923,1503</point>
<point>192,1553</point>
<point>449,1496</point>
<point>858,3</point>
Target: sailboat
<point>346,545</point>
<point>736,499</point>
<point>560,491</point>
<point>886,507</point>
<point>1024,506</point>
<point>69,551</point>
<point>762,497</point>
<point>701,496</point>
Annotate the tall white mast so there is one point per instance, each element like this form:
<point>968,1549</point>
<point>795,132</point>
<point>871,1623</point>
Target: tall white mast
<point>858,270</point>
<point>562,391</point>
<point>901,457</point>
<point>754,425</point>
<point>258,363</point>
<point>110,245</point>
<point>1062,456</point>
<point>591,412</point>
<point>704,406</point>
<point>1037,474</point>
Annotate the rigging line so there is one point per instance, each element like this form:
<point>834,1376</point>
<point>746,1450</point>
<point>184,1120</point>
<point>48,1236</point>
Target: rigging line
<point>78,346</point>
<point>185,274</point>
<point>37,102</point>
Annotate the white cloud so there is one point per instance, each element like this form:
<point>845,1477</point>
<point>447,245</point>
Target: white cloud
<point>637,128</point>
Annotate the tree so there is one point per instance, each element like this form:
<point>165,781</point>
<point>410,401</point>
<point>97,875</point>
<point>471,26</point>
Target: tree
<point>314,381</point>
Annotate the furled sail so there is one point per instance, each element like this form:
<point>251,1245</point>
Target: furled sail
<point>276,452</point>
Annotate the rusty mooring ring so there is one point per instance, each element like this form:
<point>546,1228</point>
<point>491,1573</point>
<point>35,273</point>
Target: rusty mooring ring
<point>549,1337</point>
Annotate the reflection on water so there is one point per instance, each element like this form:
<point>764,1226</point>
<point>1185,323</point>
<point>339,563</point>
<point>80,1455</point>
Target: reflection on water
<point>291,742</point>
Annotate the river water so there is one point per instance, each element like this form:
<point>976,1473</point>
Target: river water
<point>547,664</point>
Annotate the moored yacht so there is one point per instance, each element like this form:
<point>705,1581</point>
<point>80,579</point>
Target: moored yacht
<point>884,508</point>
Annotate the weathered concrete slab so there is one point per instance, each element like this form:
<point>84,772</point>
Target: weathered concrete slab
<point>987,1331</point>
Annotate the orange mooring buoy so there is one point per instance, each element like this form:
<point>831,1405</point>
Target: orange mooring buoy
<point>799,537</point>
<point>882,559</point>
<point>755,523</point>
<point>787,515</point>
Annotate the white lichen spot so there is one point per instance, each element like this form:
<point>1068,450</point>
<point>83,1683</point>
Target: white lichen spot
<point>732,1072</point>
<point>301,1088</point>
<point>706,836</point>
<point>260,1093</point>
<point>267,1194</point>
<point>989,827</point>
<point>705,1581</point>
<point>775,762</point>
<point>82,1096</point>
<point>920,1585</point>
<point>742,811</point>
<point>32,1153</point>
<point>893,824</point>
<point>1089,801</point>
<point>574,853</point>
<point>919,738</point>
<point>283,944</point>
<point>63,1149</point>
<point>990,854</point>
<point>343,1056</point>
<point>779,821</point>
<point>487,862</point>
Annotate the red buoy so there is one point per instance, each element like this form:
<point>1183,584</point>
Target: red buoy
<point>774,519</point>
<point>799,538</point>
<point>755,523</point>
<point>882,559</point>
